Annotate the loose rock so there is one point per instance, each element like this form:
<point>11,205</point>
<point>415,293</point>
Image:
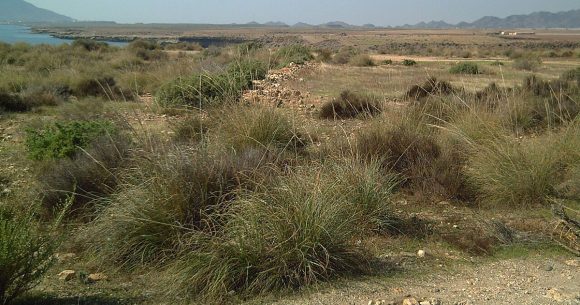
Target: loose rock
<point>410,301</point>
<point>67,275</point>
<point>97,277</point>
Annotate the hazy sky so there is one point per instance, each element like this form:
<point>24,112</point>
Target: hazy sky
<point>379,12</point>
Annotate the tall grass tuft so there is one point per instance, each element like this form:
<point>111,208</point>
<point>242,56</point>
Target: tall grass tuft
<point>299,231</point>
<point>262,128</point>
<point>523,174</point>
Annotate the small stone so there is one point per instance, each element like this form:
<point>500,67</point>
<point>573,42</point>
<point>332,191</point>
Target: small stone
<point>421,253</point>
<point>66,275</point>
<point>425,303</point>
<point>548,267</point>
<point>455,227</point>
<point>410,301</point>
<point>572,263</point>
<point>97,277</point>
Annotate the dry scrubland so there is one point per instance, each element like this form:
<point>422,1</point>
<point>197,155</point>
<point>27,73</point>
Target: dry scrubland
<point>149,166</point>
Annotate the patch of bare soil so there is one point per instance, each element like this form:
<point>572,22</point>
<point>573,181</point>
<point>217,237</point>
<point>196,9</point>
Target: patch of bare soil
<point>534,281</point>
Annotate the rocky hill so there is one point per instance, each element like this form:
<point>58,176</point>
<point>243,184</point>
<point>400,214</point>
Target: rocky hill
<point>22,11</point>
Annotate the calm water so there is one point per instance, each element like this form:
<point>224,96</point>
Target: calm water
<point>16,33</point>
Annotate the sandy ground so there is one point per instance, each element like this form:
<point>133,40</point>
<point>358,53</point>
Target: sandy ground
<point>536,281</point>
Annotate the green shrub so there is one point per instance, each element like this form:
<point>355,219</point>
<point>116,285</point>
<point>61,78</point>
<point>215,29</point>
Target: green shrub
<point>362,60</point>
<point>205,89</point>
<point>350,105</point>
<point>409,62</point>
<point>387,62</point>
<point>61,140</point>
<point>197,91</point>
<point>297,232</point>
<point>297,54</point>
<point>245,71</point>
<point>465,68</point>
<point>25,254</point>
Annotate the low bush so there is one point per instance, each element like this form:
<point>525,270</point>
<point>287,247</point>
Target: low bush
<point>507,173</point>
<point>90,45</point>
<point>402,149</point>
<point>387,62</point>
<point>171,194</point>
<point>431,87</point>
<point>102,86</point>
<point>85,178</point>
<point>298,232</point>
<point>344,55</point>
<point>350,105</point>
<point>25,254</point>
<point>324,55</point>
<point>262,128</point>
<point>10,102</point>
<point>572,75</point>
<point>190,129</point>
<point>206,89</point>
<point>61,140</point>
<point>362,60</point>
<point>409,63</point>
<point>527,63</point>
<point>297,54</point>
<point>465,68</point>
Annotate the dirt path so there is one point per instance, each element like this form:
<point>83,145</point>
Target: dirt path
<point>382,57</point>
<point>536,281</point>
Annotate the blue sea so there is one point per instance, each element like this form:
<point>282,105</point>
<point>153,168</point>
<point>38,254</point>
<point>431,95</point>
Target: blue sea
<point>10,33</point>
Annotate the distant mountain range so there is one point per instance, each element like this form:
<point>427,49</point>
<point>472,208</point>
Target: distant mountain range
<point>22,11</point>
<point>569,19</point>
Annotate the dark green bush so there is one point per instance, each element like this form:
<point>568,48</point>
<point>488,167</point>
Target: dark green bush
<point>297,54</point>
<point>88,176</point>
<point>350,105</point>
<point>25,254</point>
<point>431,87</point>
<point>61,140</point>
<point>10,102</point>
<point>409,62</point>
<point>90,45</point>
<point>465,68</point>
